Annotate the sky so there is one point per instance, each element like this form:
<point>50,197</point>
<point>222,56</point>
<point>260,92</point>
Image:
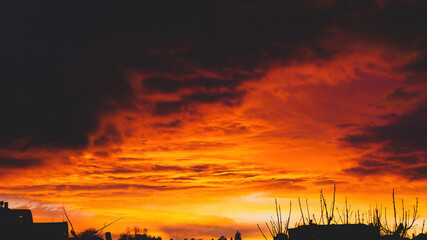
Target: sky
<point>189,118</point>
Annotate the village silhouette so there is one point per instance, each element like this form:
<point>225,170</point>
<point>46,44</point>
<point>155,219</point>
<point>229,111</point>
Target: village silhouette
<point>332,224</point>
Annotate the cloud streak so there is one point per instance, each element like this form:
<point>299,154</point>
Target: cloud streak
<point>18,163</point>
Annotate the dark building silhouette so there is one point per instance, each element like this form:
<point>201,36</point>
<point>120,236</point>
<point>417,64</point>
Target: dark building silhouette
<point>421,236</point>
<point>108,236</point>
<point>334,232</point>
<point>17,224</point>
<point>138,237</point>
<point>280,236</point>
<point>146,237</point>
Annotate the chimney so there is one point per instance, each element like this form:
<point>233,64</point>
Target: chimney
<point>6,205</point>
<point>107,236</point>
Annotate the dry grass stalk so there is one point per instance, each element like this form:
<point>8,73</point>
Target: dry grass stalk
<point>276,226</point>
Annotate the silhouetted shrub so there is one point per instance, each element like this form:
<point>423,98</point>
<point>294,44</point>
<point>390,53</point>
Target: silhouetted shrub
<point>90,234</point>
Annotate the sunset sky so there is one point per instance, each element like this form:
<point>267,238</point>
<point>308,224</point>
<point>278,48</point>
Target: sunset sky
<point>190,118</point>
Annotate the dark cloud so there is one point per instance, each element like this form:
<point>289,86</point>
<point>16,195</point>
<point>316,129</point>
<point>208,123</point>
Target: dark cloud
<point>111,135</point>
<point>363,171</point>
<point>402,146</point>
<point>408,159</point>
<point>168,107</point>
<point>234,174</point>
<point>192,146</point>
<point>102,154</point>
<point>169,85</point>
<point>203,167</point>
<point>183,179</point>
<point>417,173</point>
<point>125,169</point>
<point>55,85</point>
<point>384,162</point>
<point>166,168</point>
<point>327,181</point>
<point>18,163</point>
<point>200,145</point>
<point>391,116</point>
<point>404,134</point>
<point>134,159</point>
<point>64,63</point>
<point>410,172</point>
<point>230,128</point>
<point>370,164</point>
<point>173,124</point>
<point>347,125</point>
<point>393,23</point>
<point>204,90</point>
<point>194,170</point>
<point>227,98</point>
<point>280,183</point>
<point>418,65</point>
<point>402,94</point>
<point>198,168</point>
<point>230,99</point>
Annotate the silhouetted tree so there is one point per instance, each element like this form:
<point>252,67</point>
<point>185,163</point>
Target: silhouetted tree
<point>125,236</point>
<point>90,234</point>
<point>237,236</point>
<point>277,228</point>
<point>135,234</point>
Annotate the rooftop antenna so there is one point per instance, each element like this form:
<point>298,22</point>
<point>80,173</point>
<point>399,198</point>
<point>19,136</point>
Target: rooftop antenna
<point>64,210</point>
<point>72,228</point>
<point>100,230</point>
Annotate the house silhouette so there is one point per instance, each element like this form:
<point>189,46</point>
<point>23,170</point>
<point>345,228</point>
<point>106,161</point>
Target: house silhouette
<point>17,224</point>
<point>334,232</point>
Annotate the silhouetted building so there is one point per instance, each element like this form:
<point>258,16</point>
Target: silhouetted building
<point>222,238</point>
<point>108,236</point>
<point>421,236</point>
<point>334,232</point>
<point>145,237</point>
<point>280,236</point>
<point>17,224</point>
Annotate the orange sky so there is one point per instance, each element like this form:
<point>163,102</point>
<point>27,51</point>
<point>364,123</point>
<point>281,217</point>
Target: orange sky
<point>194,132</point>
